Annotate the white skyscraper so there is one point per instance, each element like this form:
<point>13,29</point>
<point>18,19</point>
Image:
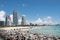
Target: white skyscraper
<point>7,21</point>
<point>23,22</point>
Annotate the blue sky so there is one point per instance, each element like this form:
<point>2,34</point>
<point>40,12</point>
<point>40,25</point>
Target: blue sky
<point>33,9</point>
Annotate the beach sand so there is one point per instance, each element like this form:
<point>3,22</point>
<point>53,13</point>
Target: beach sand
<point>22,28</point>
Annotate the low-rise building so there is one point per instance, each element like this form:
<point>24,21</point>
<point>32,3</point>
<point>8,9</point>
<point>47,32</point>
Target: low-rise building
<point>1,23</point>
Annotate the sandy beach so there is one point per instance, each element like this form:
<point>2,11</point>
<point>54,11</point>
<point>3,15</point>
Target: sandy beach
<point>21,28</point>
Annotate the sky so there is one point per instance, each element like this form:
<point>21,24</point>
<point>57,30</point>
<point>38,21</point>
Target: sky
<point>35,10</point>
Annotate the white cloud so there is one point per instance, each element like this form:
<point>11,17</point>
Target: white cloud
<point>27,22</point>
<point>19,21</point>
<point>47,20</point>
<point>38,21</point>
<point>2,15</point>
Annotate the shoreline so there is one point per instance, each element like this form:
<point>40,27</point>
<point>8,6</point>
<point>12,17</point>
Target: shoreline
<point>8,34</point>
<point>22,28</point>
<point>26,28</point>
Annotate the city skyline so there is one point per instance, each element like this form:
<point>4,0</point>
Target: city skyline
<point>34,10</point>
<point>47,20</point>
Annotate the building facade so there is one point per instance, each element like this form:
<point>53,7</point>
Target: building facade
<point>23,22</point>
<point>7,21</point>
<point>1,23</point>
<point>15,18</point>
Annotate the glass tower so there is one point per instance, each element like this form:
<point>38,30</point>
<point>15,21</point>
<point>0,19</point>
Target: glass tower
<point>15,18</point>
<point>23,20</point>
<point>7,21</point>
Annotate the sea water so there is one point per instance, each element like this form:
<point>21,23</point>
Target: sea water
<point>51,30</point>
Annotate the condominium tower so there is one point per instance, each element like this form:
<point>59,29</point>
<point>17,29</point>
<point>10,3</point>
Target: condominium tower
<point>23,22</point>
<point>7,21</point>
<point>15,18</point>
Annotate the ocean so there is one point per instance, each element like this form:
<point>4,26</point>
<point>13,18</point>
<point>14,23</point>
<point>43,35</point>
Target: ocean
<point>50,30</point>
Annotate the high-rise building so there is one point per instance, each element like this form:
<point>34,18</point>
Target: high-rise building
<point>15,18</point>
<point>23,22</point>
<point>1,23</point>
<point>7,21</point>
